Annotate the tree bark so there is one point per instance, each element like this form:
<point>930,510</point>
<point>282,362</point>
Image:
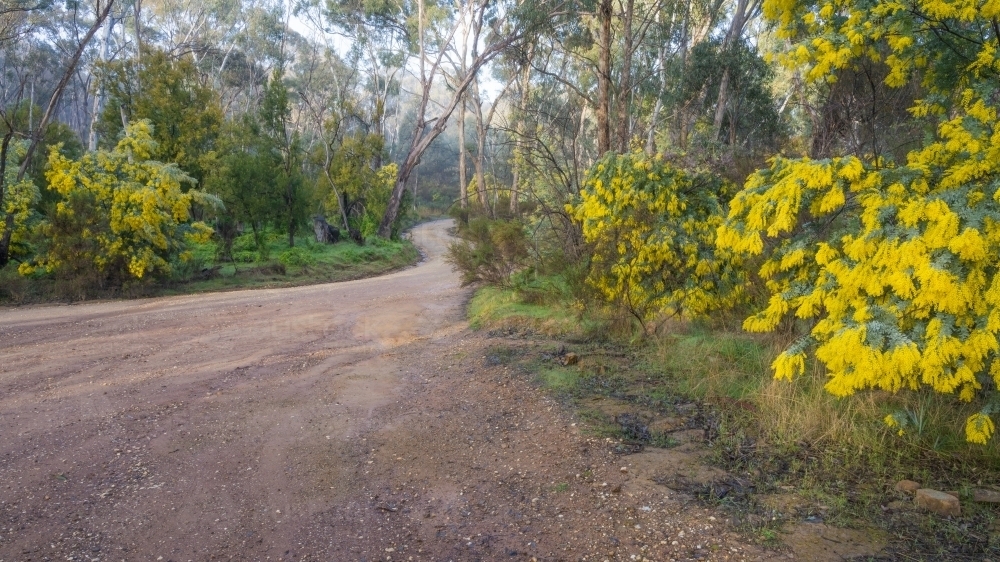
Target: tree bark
<point>463,181</point>
<point>520,152</point>
<point>625,85</point>
<point>480,162</point>
<point>681,116</point>
<point>658,106</point>
<point>604,79</point>
<point>99,95</point>
<point>743,13</point>
<point>423,133</point>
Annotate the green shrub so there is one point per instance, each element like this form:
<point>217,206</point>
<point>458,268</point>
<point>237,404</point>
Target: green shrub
<point>297,257</point>
<point>490,251</point>
<point>245,256</point>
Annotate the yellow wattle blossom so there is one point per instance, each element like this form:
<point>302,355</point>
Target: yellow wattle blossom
<point>18,200</point>
<point>653,237</point>
<point>979,428</point>
<point>120,215</point>
<point>896,263</point>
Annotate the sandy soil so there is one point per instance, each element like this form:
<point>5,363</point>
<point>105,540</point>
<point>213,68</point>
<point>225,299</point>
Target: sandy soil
<point>349,421</point>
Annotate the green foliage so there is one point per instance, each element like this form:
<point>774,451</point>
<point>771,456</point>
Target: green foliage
<point>244,180</point>
<point>121,216</point>
<point>363,185</point>
<point>542,305</point>
<point>259,171</point>
<point>283,145</point>
<point>56,134</point>
<point>184,112</point>
<point>490,251</point>
<point>298,257</point>
<point>751,120</point>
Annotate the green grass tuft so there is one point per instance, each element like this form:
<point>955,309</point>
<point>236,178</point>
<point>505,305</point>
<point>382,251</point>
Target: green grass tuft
<point>543,306</point>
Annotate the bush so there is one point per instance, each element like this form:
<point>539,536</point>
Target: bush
<point>246,256</point>
<point>893,261</point>
<point>490,251</point>
<point>297,257</point>
<point>652,231</point>
<point>122,218</point>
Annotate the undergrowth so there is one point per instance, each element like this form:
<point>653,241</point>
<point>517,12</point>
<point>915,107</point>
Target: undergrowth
<point>836,455</point>
<point>534,305</point>
<point>271,264</point>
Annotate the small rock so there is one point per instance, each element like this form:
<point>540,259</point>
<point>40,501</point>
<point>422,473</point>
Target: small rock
<point>985,496</point>
<point>569,359</point>
<point>938,502</point>
<point>907,486</point>
<point>896,505</point>
<point>624,469</point>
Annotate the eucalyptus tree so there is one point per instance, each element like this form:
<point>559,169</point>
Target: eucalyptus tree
<point>235,43</point>
<point>744,11</point>
<point>493,28</point>
<point>328,92</point>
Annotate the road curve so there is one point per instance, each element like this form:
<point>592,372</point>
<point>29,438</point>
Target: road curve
<point>139,426</point>
<point>356,421</point>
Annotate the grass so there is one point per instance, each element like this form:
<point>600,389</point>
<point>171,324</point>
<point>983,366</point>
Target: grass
<point>540,306</point>
<point>559,379</point>
<point>273,265</point>
<point>836,455</point>
<point>307,263</point>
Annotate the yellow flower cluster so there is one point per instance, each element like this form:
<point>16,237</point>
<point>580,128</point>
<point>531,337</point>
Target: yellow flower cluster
<point>979,428</point>
<point>18,198</point>
<point>652,230</point>
<point>119,212</point>
<point>896,266</point>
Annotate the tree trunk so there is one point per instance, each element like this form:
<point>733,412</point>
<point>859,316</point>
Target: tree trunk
<point>625,86</point>
<point>655,117</point>
<point>480,162</point>
<point>463,183</point>
<point>740,18</point>
<point>681,114</point>
<point>720,104</point>
<point>604,79</point>
<point>423,133</point>
<point>99,95</point>
<point>520,152</point>
<point>137,6</point>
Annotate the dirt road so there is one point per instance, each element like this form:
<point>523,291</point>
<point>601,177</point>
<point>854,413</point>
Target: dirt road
<point>350,421</point>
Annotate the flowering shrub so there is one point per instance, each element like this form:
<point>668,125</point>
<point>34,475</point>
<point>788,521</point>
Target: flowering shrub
<point>121,216</point>
<point>18,200</point>
<point>652,230</point>
<point>896,265</point>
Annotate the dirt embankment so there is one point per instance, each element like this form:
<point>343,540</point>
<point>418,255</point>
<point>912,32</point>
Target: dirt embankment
<point>351,421</point>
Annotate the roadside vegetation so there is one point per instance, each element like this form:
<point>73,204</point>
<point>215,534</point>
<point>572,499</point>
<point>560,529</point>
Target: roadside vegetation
<point>818,301</point>
<point>793,452</point>
<point>206,270</point>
